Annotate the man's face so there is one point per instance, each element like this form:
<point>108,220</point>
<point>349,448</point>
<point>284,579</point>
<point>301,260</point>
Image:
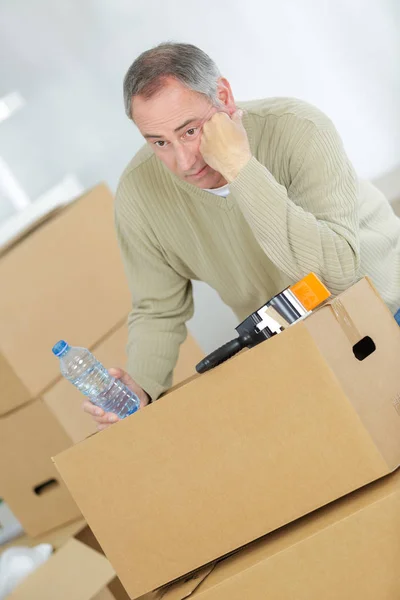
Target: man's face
<point>171,121</point>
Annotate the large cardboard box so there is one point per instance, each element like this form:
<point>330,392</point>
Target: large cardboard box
<point>32,434</point>
<point>76,570</point>
<point>267,437</point>
<point>64,274</point>
<point>349,550</point>
<point>29,483</point>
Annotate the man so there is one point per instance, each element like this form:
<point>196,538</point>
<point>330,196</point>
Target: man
<point>247,197</point>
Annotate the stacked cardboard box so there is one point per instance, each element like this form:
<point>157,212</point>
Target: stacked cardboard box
<point>274,434</point>
<point>348,550</point>
<point>76,570</point>
<point>62,278</point>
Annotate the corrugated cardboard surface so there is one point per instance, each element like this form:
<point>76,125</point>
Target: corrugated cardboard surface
<point>58,538</point>
<point>105,594</point>
<point>13,392</point>
<point>256,443</point>
<point>87,537</point>
<point>373,384</point>
<point>28,438</point>
<point>75,572</point>
<point>65,279</point>
<point>349,550</point>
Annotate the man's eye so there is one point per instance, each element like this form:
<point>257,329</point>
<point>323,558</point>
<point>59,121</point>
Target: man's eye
<point>160,143</point>
<point>191,132</point>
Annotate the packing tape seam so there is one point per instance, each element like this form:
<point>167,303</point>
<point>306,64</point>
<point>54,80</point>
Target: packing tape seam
<point>345,321</point>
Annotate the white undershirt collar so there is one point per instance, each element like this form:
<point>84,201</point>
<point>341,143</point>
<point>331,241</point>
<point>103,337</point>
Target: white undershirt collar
<point>221,191</point>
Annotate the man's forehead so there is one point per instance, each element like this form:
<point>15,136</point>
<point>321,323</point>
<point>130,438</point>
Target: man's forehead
<point>155,123</point>
<point>170,107</point>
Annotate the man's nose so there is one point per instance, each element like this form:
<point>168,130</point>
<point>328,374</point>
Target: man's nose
<point>185,158</point>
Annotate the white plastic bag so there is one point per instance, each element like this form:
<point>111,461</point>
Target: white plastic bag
<point>19,562</point>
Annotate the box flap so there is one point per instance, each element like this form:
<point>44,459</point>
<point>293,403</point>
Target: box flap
<point>185,587</point>
<point>348,550</point>
<point>182,588</point>
<point>353,512</point>
<point>45,208</point>
<point>75,572</point>
<point>24,229</point>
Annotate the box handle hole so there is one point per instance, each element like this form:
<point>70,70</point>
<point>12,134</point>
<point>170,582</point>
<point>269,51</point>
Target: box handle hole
<point>45,487</point>
<point>364,348</point>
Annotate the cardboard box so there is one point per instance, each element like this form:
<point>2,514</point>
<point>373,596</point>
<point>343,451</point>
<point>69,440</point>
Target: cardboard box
<point>31,435</point>
<point>73,572</point>
<point>58,538</point>
<point>65,274</point>
<point>348,550</point>
<point>273,434</point>
<point>76,571</point>
<point>30,484</point>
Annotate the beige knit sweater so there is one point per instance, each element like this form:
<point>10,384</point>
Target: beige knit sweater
<point>296,207</point>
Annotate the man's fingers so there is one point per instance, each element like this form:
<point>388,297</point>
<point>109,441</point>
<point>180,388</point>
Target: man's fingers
<point>115,372</point>
<point>98,414</point>
<point>123,376</point>
<point>119,374</point>
<point>106,421</point>
<point>102,427</point>
<point>237,116</point>
<point>111,418</point>
<point>222,116</point>
<point>92,409</point>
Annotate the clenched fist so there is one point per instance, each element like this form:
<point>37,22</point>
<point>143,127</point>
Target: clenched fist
<point>224,144</point>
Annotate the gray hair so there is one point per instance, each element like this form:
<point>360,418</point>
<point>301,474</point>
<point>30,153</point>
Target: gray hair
<point>185,62</point>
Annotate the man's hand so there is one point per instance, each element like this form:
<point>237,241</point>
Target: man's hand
<point>105,419</point>
<point>224,144</point>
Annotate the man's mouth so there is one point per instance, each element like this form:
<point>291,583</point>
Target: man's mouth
<point>199,173</point>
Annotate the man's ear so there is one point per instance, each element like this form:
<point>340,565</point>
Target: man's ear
<point>225,95</point>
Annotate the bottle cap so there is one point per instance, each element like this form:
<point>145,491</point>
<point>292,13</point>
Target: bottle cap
<point>60,348</point>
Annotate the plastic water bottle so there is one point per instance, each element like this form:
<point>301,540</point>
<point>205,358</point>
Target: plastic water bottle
<point>81,368</point>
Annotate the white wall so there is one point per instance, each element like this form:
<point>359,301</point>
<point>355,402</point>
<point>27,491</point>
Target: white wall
<point>67,60</point>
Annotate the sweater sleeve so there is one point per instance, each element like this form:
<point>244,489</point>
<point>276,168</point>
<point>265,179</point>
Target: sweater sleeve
<point>312,224</point>
<point>162,301</point>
